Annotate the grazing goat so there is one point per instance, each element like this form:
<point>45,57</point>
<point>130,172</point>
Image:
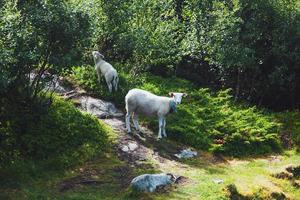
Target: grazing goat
<point>143,102</point>
<point>149,182</point>
<point>103,67</point>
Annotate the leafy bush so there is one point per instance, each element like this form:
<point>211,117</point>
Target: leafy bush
<point>249,46</point>
<point>203,119</point>
<point>62,132</point>
<point>37,37</point>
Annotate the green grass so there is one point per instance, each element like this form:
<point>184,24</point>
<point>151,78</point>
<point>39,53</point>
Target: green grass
<point>53,142</point>
<point>203,117</point>
<point>62,132</point>
<point>252,177</point>
<point>36,179</point>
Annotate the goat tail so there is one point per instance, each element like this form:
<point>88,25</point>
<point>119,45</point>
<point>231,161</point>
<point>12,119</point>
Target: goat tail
<point>116,82</point>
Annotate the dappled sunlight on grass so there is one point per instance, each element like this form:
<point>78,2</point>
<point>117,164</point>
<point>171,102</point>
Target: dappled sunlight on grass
<point>250,177</point>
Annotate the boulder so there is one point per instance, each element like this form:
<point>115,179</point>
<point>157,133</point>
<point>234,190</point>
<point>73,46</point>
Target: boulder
<point>151,182</point>
<point>101,109</point>
<point>186,153</point>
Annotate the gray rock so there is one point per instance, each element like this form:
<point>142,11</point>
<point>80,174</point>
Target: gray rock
<point>101,109</point>
<point>150,182</point>
<point>186,153</point>
<point>51,82</point>
<point>125,148</point>
<point>132,146</point>
<point>218,181</point>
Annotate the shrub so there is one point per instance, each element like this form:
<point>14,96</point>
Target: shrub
<point>62,132</point>
<point>203,118</point>
<point>37,37</point>
<point>249,46</point>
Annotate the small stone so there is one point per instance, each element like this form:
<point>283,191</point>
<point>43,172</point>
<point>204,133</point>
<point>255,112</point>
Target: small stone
<point>132,146</point>
<point>125,148</point>
<point>275,159</point>
<point>218,181</point>
<point>186,153</point>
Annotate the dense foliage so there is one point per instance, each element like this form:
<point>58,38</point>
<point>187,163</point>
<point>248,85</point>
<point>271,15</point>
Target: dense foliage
<point>37,37</point>
<point>205,120</point>
<point>61,133</point>
<point>250,46</point>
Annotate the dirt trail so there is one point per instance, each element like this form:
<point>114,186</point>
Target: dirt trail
<point>137,149</point>
<point>142,152</point>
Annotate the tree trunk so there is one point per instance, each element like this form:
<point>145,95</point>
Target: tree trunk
<point>178,9</point>
<point>238,82</point>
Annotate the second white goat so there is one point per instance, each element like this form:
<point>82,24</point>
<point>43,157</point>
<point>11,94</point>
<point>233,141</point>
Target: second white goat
<point>110,73</point>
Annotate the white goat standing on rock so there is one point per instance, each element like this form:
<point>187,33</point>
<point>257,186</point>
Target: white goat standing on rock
<point>143,102</point>
<point>103,67</point>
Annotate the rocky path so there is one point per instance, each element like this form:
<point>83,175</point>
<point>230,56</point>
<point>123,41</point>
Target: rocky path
<point>143,151</point>
<point>136,149</point>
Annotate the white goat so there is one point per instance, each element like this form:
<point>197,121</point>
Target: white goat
<point>143,102</point>
<point>150,182</point>
<point>103,67</point>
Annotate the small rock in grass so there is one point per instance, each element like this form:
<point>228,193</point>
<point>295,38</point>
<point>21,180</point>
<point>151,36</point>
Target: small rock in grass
<point>125,148</point>
<point>218,181</point>
<point>275,159</point>
<point>132,146</point>
<point>151,182</point>
<point>186,153</point>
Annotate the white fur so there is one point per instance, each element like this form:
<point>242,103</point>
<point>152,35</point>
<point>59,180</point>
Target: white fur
<point>143,102</point>
<point>110,73</point>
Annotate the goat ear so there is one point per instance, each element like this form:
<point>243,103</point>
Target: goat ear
<point>185,94</point>
<point>171,94</point>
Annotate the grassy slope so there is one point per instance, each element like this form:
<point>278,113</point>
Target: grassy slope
<point>202,118</point>
<point>38,180</point>
<point>248,175</point>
